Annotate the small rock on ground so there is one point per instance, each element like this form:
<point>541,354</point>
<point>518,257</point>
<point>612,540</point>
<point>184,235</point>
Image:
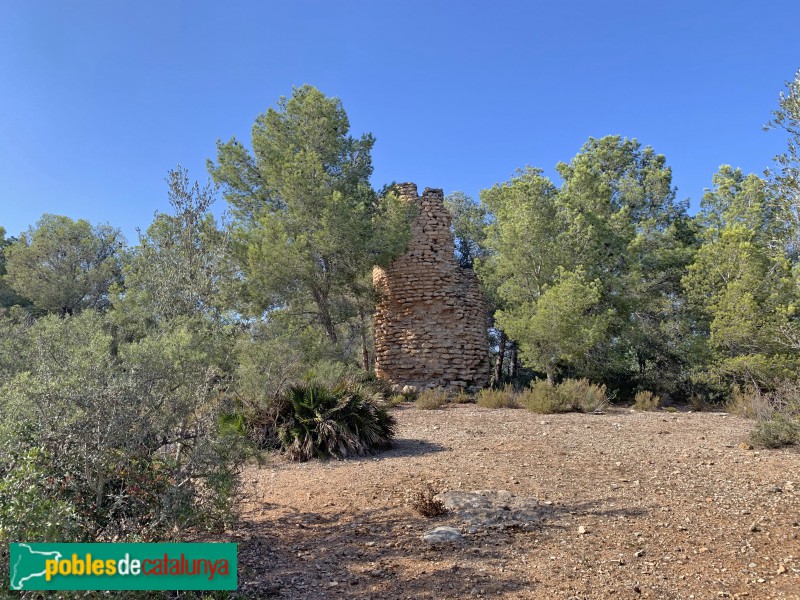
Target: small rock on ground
<point>442,534</point>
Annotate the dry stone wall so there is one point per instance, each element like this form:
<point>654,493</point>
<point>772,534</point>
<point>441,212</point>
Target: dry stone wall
<point>431,321</point>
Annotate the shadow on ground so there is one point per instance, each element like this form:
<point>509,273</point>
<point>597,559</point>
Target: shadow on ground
<point>379,554</point>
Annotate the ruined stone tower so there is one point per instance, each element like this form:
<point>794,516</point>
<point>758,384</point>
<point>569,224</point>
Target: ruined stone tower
<point>430,321</point>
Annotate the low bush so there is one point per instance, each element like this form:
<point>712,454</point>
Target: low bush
<point>426,503</point>
<point>395,400</point>
<point>544,398</point>
<point>776,432</point>
<point>462,397</point>
<point>583,396</point>
<point>432,399</point>
<point>752,403</point>
<point>102,440</point>
<point>318,422</point>
<point>777,413</point>
<point>570,395</point>
<point>646,400</point>
<point>494,398</point>
<point>749,402</point>
<point>698,403</point>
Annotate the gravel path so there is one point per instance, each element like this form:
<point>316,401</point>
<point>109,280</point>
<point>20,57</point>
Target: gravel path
<point>630,505</point>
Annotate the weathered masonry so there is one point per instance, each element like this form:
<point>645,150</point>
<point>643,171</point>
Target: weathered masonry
<point>430,321</point>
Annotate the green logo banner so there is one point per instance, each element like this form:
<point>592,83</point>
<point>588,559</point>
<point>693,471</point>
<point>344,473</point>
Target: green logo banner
<point>39,566</point>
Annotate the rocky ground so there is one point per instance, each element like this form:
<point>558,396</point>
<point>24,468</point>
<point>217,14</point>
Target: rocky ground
<point>619,505</point>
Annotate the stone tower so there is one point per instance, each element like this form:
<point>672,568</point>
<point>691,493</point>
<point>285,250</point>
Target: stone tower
<point>430,321</point>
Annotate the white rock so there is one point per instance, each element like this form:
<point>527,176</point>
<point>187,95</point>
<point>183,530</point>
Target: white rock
<point>442,534</point>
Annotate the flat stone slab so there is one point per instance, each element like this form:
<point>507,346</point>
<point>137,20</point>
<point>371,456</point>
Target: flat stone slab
<point>493,508</point>
<point>442,534</point>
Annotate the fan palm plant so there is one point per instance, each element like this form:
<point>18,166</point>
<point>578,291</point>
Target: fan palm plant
<point>320,422</point>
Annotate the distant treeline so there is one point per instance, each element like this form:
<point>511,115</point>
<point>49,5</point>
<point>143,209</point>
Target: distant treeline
<point>127,373</point>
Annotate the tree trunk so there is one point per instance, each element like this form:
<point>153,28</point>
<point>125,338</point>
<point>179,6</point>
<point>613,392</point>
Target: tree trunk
<point>512,361</point>
<point>364,346</point>
<point>551,375</point>
<point>321,300</point>
<point>501,354</point>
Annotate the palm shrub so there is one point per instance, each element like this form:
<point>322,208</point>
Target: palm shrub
<point>315,421</point>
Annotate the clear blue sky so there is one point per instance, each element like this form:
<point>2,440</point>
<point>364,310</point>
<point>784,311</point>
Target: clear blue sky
<point>99,99</point>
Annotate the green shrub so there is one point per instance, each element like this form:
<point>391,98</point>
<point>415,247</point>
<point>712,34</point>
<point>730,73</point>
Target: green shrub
<point>116,440</point>
<point>776,432</point>
<point>582,396</point>
<point>646,400</point>
<point>777,413</point>
<point>494,398</point>
<point>395,400</point>
<point>319,422</point>
<point>544,398</point>
<point>570,395</point>
<point>432,399</point>
<point>462,397</point>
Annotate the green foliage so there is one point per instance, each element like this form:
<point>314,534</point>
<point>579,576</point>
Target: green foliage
<point>781,430</point>
<point>582,395</point>
<point>498,398</point>
<point>524,253</point>
<point>8,297</point>
<point>469,227</point>
<point>543,398</point>
<point>118,441</point>
<point>318,422</point>
<point>741,284</point>
<point>561,326</point>
<point>609,248</point>
<point>308,227</point>
<point>432,398</point>
<point>736,199</point>
<point>646,400</point>
<point>786,175</point>
<point>14,344</point>
<point>28,513</point>
<point>182,266</point>
<point>578,395</point>
<point>395,400</point>
<point>274,356</point>
<point>65,266</point>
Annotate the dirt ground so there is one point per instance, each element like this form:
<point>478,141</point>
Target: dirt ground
<point>633,505</point>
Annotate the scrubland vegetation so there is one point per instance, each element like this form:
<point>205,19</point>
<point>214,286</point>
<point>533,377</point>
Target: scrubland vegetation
<point>135,380</point>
